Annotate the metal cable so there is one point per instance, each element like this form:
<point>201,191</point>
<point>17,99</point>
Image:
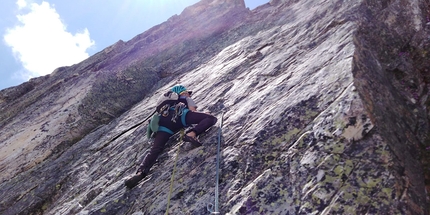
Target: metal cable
<point>214,209</point>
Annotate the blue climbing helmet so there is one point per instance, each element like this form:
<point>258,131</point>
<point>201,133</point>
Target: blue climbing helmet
<point>179,89</point>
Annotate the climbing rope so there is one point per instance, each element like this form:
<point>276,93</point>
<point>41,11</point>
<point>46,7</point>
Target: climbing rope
<point>140,123</point>
<point>214,209</point>
<point>172,179</point>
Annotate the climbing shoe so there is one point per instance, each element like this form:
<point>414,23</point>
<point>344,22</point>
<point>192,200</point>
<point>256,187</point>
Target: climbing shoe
<point>194,142</point>
<point>133,181</point>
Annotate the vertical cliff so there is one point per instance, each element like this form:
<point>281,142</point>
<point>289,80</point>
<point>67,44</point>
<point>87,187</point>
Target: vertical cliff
<point>325,112</point>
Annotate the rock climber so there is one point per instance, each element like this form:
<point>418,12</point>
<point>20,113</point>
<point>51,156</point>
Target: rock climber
<point>169,125</point>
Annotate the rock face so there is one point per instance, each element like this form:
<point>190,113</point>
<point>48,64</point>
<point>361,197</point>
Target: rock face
<point>325,109</point>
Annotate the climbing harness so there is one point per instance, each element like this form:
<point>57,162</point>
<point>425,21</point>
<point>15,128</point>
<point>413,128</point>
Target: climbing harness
<point>214,209</point>
<point>173,174</point>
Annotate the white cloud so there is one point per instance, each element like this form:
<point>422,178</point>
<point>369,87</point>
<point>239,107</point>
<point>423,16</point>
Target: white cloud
<point>21,4</point>
<point>41,42</point>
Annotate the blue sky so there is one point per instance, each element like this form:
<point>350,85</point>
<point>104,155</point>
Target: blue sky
<point>38,36</point>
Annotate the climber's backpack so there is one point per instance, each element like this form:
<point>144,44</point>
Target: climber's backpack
<point>166,100</point>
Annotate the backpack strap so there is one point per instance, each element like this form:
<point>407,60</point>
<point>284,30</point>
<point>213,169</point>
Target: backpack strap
<point>185,111</point>
<point>162,128</point>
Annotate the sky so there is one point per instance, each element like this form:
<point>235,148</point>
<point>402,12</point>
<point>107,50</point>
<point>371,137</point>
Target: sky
<point>39,36</point>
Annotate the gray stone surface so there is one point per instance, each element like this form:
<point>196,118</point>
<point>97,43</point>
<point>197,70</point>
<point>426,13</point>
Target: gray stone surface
<point>325,112</point>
